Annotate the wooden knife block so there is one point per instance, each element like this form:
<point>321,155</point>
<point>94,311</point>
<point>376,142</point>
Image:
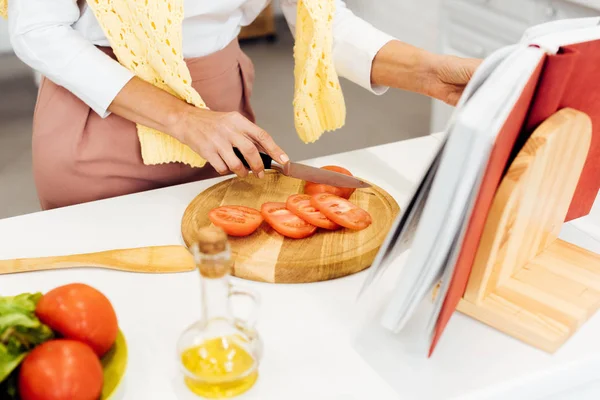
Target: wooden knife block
<point>525,281</point>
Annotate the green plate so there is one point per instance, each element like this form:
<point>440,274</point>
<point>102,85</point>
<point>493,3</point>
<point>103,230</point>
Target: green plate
<point>114,364</point>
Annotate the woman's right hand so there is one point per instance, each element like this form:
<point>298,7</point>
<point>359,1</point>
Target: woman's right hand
<point>213,135</point>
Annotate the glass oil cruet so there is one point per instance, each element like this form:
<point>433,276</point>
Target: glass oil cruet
<point>219,354</point>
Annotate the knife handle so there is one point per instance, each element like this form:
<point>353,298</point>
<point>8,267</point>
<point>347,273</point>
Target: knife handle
<point>266,159</point>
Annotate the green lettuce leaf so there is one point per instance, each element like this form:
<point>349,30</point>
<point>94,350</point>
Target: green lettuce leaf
<point>20,331</point>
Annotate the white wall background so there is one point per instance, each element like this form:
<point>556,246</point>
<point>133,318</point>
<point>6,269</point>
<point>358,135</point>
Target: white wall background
<point>4,42</point>
<point>414,22</point>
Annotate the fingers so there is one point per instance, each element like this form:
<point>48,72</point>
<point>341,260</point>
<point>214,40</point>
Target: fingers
<point>216,134</point>
<point>264,140</point>
<point>456,70</point>
<point>234,164</point>
<point>236,137</point>
<point>217,163</point>
<point>472,65</point>
<point>453,96</point>
<point>251,155</point>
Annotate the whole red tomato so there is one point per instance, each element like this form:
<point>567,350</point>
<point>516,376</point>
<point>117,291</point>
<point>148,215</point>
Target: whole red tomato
<point>316,188</point>
<point>80,312</point>
<point>61,369</point>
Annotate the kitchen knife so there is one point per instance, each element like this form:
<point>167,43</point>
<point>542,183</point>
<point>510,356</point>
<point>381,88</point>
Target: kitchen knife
<point>308,173</point>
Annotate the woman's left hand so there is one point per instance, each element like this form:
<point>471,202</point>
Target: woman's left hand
<point>406,67</point>
<point>450,77</point>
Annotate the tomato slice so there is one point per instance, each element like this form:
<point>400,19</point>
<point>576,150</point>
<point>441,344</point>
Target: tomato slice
<point>315,188</point>
<point>236,220</point>
<point>341,211</point>
<point>285,222</point>
<point>299,204</point>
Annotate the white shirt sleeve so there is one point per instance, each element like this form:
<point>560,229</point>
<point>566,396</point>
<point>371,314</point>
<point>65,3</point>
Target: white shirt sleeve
<point>42,37</point>
<point>355,43</point>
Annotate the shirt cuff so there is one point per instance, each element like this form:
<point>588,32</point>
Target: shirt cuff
<point>96,79</point>
<point>355,45</point>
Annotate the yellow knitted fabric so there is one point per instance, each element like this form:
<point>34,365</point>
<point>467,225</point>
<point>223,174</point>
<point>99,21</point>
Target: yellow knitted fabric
<point>145,36</point>
<point>318,99</point>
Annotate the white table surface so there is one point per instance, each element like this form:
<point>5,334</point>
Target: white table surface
<point>311,351</point>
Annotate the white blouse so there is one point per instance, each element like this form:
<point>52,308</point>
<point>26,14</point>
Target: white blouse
<point>58,38</point>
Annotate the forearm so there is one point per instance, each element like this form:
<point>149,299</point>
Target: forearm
<point>147,105</point>
<point>211,134</point>
<point>403,66</point>
<point>442,77</point>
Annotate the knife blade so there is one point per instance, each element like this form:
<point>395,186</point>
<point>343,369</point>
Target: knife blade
<point>308,173</point>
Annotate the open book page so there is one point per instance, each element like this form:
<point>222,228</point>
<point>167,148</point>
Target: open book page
<point>519,76</point>
<point>432,232</point>
<point>464,159</point>
<point>553,42</point>
<point>562,30</point>
<point>402,232</point>
<point>404,226</point>
<point>408,231</point>
<point>441,287</point>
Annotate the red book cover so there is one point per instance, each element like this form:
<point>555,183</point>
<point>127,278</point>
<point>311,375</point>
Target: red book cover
<point>569,79</point>
<point>572,80</point>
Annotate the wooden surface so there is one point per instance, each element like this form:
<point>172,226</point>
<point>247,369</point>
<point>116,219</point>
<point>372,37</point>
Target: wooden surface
<point>160,259</point>
<point>269,257</point>
<point>262,26</point>
<point>525,281</point>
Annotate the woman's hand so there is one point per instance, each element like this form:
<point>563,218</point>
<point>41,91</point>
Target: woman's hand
<point>450,77</point>
<point>211,134</point>
<point>409,68</point>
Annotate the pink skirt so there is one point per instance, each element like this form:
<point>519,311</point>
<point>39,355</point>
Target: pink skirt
<point>79,157</point>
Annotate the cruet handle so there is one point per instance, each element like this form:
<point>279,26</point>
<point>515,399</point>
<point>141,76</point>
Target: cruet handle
<point>235,290</point>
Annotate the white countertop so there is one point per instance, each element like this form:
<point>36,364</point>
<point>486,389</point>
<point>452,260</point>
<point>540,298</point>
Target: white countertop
<point>311,351</point>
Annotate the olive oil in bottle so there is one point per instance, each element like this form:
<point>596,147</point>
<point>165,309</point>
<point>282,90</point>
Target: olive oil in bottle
<point>219,354</point>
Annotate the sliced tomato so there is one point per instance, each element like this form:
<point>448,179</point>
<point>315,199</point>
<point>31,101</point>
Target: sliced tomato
<point>315,188</point>
<point>299,204</point>
<point>341,211</point>
<point>236,220</point>
<point>285,222</point>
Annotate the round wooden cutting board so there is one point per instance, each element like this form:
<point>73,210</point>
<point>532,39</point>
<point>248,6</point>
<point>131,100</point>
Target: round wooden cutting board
<point>269,257</point>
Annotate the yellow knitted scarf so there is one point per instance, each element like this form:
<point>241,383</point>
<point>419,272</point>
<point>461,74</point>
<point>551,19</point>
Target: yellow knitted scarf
<point>145,36</point>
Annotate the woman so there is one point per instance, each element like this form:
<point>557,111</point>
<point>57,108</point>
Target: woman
<point>85,145</point>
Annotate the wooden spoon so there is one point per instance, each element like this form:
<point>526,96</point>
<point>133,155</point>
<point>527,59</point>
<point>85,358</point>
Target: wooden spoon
<point>158,259</point>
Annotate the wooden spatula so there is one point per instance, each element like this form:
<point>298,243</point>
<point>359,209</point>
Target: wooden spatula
<point>159,259</point>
